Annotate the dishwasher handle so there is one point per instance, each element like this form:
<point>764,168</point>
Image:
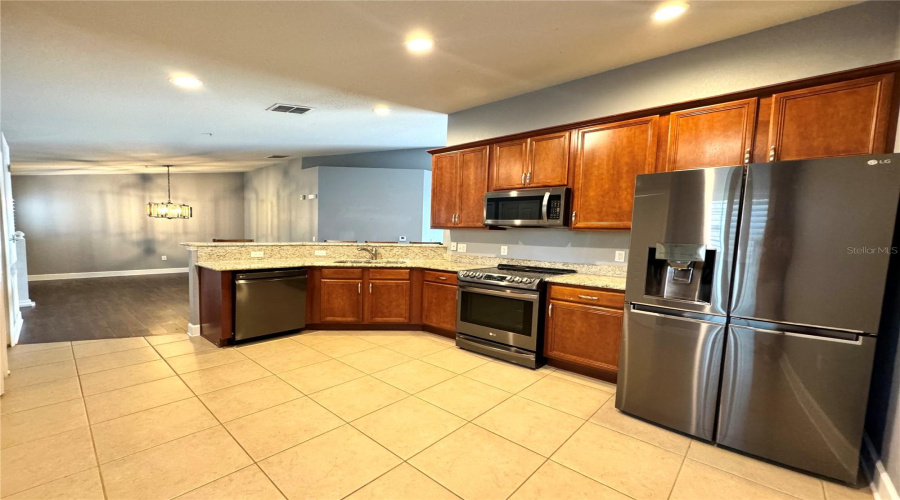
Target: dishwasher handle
<point>268,275</point>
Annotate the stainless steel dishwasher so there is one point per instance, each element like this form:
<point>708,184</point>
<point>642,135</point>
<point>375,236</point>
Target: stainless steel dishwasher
<point>269,302</point>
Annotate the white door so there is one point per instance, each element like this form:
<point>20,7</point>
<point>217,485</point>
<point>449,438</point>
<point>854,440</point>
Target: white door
<point>10,291</point>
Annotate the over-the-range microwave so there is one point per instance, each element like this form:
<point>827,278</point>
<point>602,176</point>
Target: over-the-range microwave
<point>546,207</point>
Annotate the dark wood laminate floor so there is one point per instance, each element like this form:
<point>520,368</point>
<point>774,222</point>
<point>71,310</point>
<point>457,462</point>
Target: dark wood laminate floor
<point>102,308</point>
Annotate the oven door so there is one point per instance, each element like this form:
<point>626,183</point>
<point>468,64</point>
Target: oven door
<point>502,315</point>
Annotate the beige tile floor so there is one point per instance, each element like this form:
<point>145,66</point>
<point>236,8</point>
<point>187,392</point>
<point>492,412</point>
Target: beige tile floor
<point>329,415</point>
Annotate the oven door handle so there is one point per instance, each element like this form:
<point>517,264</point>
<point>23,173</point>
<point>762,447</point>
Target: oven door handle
<point>511,294</point>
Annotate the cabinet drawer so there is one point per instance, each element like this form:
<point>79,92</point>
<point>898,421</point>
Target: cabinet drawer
<point>342,273</point>
<point>589,296</point>
<point>388,274</point>
<point>439,277</point>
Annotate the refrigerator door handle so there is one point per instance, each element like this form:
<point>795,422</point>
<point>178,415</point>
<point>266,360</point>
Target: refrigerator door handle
<point>858,340</point>
<point>803,331</point>
<point>677,313</point>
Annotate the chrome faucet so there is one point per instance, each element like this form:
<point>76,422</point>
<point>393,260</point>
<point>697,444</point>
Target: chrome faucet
<point>373,252</point>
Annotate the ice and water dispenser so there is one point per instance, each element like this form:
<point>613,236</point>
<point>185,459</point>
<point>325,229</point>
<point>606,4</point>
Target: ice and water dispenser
<point>680,271</point>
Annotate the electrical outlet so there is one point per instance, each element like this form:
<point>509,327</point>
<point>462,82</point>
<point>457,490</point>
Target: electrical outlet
<point>165,258</point>
<point>504,250</point>
<point>321,253</point>
<point>461,247</point>
<point>453,246</point>
<point>403,238</point>
<point>620,255</point>
<point>257,254</point>
<point>314,238</point>
<point>312,196</point>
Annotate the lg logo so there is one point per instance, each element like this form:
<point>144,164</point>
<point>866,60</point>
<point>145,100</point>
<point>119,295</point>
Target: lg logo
<point>879,162</point>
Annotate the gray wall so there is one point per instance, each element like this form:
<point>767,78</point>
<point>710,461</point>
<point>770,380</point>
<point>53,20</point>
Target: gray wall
<point>415,159</point>
<point>95,223</point>
<point>843,39</point>
<point>274,208</point>
<point>378,204</point>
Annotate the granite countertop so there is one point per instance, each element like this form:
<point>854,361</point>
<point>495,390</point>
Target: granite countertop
<point>591,280</point>
<point>579,279</point>
<point>254,264</point>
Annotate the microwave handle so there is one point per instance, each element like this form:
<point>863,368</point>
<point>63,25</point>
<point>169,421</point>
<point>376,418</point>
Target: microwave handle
<point>544,206</point>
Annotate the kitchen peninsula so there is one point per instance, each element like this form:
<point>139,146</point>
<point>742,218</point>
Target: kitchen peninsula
<point>407,287</point>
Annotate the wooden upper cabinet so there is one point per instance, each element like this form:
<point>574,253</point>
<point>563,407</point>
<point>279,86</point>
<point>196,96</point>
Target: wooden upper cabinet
<point>444,189</point>
<point>388,301</point>
<point>508,165</point>
<point>838,119</point>
<point>548,160</point>
<point>473,184</point>
<point>607,159</point>
<point>341,301</point>
<point>712,136</point>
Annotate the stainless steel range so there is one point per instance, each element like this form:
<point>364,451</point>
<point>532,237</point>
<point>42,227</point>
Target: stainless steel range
<point>500,312</point>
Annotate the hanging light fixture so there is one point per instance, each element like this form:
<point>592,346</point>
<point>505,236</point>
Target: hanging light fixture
<point>168,210</point>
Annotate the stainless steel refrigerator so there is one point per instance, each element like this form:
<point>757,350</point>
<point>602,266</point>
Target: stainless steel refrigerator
<point>754,298</point>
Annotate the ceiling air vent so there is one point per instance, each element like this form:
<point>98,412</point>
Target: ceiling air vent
<point>288,108</point>
<point>277,157</point>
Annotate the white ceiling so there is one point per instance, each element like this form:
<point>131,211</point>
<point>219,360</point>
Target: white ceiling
<point>84,84</point>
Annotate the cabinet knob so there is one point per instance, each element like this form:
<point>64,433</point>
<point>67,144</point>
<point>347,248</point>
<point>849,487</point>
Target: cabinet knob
<point>528,178</point>
<point>747,156</point>
<point>523,178</point>
<point>772,153</point>
<point>573,216</point>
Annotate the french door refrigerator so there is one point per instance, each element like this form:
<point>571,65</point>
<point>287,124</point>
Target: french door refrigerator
<point>754,298</point>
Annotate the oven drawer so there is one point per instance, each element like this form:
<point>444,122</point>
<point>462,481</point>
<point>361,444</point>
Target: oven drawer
<point>588,296</point>
<point>439,277</point>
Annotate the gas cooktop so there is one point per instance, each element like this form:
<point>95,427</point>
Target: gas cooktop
<point>507,275</point>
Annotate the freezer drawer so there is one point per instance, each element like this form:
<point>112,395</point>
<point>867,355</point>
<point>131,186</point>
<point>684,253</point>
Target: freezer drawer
<point>796,399</point>
<point>669,370</point>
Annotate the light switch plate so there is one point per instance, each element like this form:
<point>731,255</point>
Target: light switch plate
<point>461,247</point>
<point>620,255</point>
<point>321,253</point>
<point>453,245</point>
<point>504,250</point>
<point>257,254</point>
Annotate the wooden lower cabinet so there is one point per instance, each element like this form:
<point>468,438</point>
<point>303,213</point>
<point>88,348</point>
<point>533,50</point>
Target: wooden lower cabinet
<point>341,300</point>
<point>583,334</point>
<point>388,301</point>
<point>439,305</point>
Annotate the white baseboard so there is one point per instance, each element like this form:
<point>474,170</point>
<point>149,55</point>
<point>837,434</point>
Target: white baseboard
<point>106,274</point>
<point>879,480</point>
<point>26,303</point>
<point>193,330</point>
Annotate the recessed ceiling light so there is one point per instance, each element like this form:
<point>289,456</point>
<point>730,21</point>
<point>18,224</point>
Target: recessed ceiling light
<point>419,44</point>
<point>382,110</point>
<point>670,10</point>
<point>187,82</point>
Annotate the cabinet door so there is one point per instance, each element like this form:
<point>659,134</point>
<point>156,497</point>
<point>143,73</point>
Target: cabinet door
<point>548,160</point>
<point>444,189</point>
<point>585,335</point>
<point>608,157</point>
<point>508,165</point>
<point>839,119</point>
<point>439,305</point>
<point>713,136</point>
<point>473,184</point>
<point>341,301</point>
<point>388,302</point>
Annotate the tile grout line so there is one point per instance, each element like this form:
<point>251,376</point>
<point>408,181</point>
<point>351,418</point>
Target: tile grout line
<point>93,443</point>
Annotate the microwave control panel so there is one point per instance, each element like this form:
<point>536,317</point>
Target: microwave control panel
<point>554,207</point>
